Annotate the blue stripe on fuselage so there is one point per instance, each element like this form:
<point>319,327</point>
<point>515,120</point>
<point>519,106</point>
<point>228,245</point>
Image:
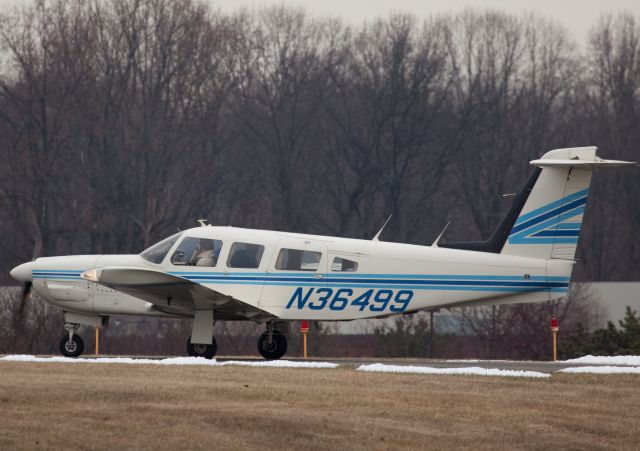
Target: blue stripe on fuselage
<point>343,280</point>
<point>448,282</point>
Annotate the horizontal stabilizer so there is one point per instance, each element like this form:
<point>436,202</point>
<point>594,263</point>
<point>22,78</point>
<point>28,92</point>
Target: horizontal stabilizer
<point>598,162</point>
<point>576,157</point>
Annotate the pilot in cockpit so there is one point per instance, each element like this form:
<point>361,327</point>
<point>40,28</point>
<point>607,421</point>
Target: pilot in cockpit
<point>204,255</point>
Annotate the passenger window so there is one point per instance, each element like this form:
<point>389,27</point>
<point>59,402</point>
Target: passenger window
<point>298,260</point>
<point>245,255</point>
<point>342,264</point>
<point>197,252</point>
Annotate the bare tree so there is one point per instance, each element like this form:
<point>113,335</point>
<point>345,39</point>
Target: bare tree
<point>277,105</point>
<point>522,331</point>
<point>611,120</point>
<point>386,101</point>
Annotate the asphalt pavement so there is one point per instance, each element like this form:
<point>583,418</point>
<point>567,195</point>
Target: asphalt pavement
<point>540,366</point>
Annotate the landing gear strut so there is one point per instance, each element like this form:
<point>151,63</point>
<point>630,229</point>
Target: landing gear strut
<point>202,350</point>
<point>272,344</point>
<point>71,344</point>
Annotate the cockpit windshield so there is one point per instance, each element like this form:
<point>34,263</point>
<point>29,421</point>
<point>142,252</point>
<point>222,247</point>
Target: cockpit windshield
<point>157,252</point>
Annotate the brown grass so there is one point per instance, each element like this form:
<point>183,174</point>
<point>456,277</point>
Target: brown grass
<point>98,406</point>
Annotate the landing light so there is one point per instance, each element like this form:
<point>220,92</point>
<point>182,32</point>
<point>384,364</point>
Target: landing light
<point>92,275</point>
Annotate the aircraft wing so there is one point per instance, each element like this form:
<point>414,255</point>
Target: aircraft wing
<point>173,294</point>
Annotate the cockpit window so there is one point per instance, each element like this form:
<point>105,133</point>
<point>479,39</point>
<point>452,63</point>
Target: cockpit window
<point>342,264</point>
<point>157,252</point>
<point>197,252</point>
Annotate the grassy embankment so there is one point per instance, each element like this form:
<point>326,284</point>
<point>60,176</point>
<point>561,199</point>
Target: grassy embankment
<point>147,407</point>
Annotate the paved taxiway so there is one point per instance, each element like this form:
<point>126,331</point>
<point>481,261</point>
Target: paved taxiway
<point>518,365</point>
<point>543,367</point>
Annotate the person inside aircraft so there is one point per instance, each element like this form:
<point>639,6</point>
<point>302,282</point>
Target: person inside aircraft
<point>205,254</point>
<point>197,252</point>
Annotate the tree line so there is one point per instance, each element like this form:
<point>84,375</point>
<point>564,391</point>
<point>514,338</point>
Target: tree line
<point>610,340</point>
<point>121,121</point>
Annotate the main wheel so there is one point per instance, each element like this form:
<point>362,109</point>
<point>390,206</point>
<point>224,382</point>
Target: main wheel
<point>73,347</point>
<point>274,350</point>
<point>202,350</point>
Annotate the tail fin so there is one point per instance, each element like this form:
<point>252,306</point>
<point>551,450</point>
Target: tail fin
<point>549,224</point>
<point>545,218</point>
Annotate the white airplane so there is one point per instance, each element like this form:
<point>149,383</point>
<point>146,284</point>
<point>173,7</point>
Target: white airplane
<point>224,273</point>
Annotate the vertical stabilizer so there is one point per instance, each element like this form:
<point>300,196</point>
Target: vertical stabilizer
<point>549,224</point>
<point>545,217</point>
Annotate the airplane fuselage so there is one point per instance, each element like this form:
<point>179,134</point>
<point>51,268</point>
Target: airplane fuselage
<point>381,278</point>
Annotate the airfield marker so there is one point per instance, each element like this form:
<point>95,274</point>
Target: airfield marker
<point>554,332</point>
<point>304,328</point>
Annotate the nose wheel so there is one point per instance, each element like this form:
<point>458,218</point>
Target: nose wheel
<point>71,345</point>
<point>202,350</point>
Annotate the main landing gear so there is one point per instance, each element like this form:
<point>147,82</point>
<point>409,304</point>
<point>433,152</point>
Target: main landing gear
<point>272,344</point>
<point>71,344</point>
<point>202,350</point>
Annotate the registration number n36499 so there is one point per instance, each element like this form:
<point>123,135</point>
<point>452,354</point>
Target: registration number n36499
<point>338,299</point>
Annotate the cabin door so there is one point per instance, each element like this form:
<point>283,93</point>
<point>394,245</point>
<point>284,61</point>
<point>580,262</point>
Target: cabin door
<point>298,269</point>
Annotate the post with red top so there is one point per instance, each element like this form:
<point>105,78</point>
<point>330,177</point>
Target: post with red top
<point>554,332</point>
<point>304,328</point>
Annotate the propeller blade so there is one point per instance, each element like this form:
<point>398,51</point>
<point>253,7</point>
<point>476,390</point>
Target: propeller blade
<point>26,293</point>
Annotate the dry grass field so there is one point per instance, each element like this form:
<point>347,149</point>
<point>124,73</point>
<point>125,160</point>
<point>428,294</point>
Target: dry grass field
<point>100,406</point>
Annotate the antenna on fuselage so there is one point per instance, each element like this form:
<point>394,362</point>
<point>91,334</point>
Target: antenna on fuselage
<point>375,238</point>
<point>437,240</point>
<point>202,222</point>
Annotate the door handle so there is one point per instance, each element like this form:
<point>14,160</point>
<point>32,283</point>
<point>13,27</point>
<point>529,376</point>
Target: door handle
<point>318,276</point>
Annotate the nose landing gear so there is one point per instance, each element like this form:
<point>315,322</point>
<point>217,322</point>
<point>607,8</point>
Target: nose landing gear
<point>71,344</point>
<point>202,350</point>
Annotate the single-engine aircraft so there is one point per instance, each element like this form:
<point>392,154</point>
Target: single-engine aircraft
<point>225,273</point>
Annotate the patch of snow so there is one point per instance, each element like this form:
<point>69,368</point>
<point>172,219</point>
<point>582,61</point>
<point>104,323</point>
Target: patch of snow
<point>602,370</point>
<point>281,364</point>
<point>632,360</point>
<point>125,360</point>
<point>169,361</point>
<point>469,371</point>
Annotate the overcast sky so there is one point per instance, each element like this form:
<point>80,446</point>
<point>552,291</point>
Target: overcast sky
<point>577,15</point>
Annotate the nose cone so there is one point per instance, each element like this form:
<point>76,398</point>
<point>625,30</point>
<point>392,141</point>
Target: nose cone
<point>22,272</point>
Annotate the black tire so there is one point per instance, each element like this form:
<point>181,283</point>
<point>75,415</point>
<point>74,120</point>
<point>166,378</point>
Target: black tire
<point>201,350</point>
<point>71,348</point>
<point>278,346</point>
